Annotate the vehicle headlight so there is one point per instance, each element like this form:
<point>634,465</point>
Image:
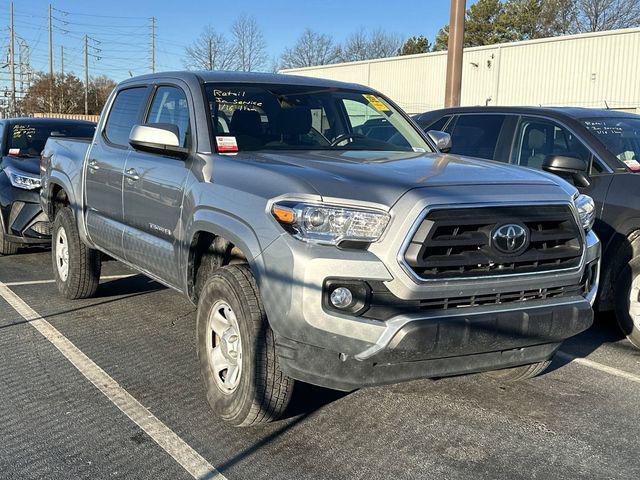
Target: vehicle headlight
<point>587,211</point>
<point>330,224</point>
<point>23,180</point>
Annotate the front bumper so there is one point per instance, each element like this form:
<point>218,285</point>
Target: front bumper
<point>444,346</point>
<point>21,217</point>
<point>347,351</point>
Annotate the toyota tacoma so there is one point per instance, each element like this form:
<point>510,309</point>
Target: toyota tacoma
<point>316,248</point>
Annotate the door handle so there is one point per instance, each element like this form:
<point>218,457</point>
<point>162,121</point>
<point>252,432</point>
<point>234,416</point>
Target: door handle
<point>94,165</point>
<point>132,175</point>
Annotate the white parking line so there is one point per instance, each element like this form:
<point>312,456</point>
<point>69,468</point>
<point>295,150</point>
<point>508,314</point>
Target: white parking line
<point>599,366</point>
<point>186,456</point>
<point>42,282</point>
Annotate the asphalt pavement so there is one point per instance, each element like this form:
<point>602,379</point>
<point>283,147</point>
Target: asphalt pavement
<point>112,390</point>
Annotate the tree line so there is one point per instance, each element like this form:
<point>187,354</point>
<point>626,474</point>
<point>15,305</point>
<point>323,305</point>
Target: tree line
<point>487,22</point>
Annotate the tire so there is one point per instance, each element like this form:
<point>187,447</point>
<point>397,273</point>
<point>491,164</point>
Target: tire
<point>7,247</point>
<point>252,390</point>
<point>627,301</point>
<point>83,264</point>
<point>517,374</point>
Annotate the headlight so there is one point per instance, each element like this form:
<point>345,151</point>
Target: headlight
<point>330,224</point>
<point>587,211</point>
<point>24,180</point>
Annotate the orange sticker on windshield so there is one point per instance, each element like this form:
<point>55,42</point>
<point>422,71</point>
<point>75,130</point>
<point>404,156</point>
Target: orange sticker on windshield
<point>376,103</point>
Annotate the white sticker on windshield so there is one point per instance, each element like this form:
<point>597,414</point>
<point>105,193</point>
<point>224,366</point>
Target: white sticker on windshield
<point>633,165</point>
<point>227,144</point>
<point>14,151</point>
<point>419,150</point>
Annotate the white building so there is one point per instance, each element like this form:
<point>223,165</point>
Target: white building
<point>600,70</point>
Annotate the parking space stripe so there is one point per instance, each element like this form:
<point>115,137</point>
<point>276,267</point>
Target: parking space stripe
<point>166,438</point>
<point>599,366</point>
<point>42,282</point>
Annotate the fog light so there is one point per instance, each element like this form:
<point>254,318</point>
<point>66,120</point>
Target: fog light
<point>341,297</point>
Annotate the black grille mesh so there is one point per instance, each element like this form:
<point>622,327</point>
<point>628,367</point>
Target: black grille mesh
<point>456,243</point>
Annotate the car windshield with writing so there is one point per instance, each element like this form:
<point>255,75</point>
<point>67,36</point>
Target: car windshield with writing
<point>621,136</point>
<point>28,140</point>
<point>286,117</point>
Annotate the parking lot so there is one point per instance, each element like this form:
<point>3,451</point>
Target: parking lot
<point>145,414</point>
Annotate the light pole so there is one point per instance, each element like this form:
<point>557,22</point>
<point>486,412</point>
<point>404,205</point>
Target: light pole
<point>454,54</point>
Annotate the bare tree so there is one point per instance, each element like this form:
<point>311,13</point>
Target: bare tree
<point>363,45</point>
<point>598,15</point>
<point>249,46</point>
<point>210,51</point>
<point>311,48</point>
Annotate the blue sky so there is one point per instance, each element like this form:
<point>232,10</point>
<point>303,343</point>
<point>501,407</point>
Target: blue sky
<point>120,45</point>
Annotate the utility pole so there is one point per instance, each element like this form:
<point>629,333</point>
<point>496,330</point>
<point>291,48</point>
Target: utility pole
<point>61,78</point>
<point>210,55</point>
<point>50,61</point>
<point>86,75</point>
<point>455,53</point>
<point>153,44</point>
<point>12,66</point>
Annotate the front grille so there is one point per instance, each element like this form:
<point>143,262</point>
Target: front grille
<point>385,305</point>
<point>457,243</point>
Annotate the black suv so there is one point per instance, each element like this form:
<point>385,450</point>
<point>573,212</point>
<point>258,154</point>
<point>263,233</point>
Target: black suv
<point>22,221</point>
<point>597,150</point>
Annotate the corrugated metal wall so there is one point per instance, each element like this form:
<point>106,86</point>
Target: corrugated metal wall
<point>591,70</point>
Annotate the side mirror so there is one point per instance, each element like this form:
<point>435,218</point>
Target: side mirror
<point>441,139</point>
<point>570,168</point>
<point>160,138</point>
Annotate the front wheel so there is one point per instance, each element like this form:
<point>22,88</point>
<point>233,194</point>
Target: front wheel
<point>627,299</point>
<point>76,267</point>
<point>523,372</point>
<point>236,350</point>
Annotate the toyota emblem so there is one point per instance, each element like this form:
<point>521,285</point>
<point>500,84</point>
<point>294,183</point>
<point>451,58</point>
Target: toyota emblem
<point>511,238</point>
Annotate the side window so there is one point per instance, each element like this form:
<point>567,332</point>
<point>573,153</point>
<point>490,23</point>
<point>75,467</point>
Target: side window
<point>124,115</point>
<point>538,138</point>
<point>439,124</point>
<point>170,106</point>
<point>477,135</point>
<point>2,143</point>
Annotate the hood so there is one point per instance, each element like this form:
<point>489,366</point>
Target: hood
<point>26,164</point>
<point>382,177</point>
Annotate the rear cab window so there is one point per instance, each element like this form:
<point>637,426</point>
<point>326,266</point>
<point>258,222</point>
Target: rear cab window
<point>124,115</point>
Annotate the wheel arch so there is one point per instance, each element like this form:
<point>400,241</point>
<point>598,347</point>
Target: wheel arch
<point>619,251</point>
<point>231,240</point>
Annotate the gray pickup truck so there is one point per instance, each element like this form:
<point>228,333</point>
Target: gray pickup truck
<point>317,249</point>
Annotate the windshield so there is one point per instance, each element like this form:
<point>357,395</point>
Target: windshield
<point>285,117</point>
<point>27,140</point>
<point>621,136</point>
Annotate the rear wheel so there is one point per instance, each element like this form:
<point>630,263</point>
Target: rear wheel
<point>516,374</point>
<point>6,247</point>
<point>627,301</point>
<point>236,350</point>
<point>76,267</point>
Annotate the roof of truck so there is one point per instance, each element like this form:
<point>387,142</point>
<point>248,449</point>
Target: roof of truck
<point>251,77</point>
